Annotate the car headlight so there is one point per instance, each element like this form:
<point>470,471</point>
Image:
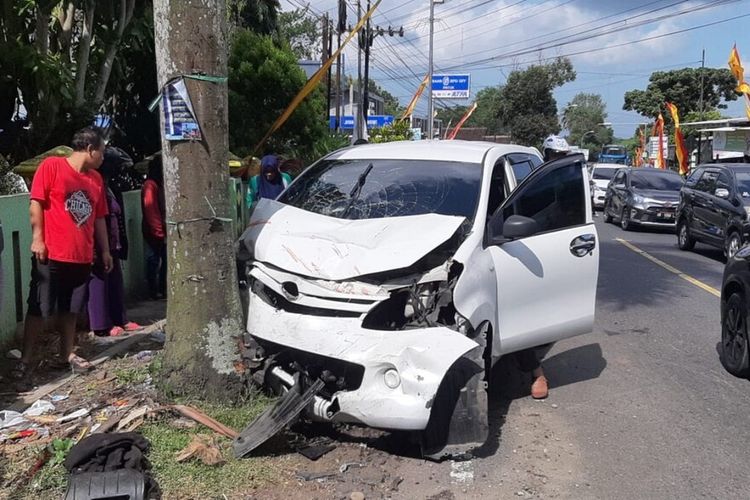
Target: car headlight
<point>638,199</point>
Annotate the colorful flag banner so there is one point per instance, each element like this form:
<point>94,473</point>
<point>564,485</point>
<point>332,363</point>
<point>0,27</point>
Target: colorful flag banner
<point>315,79</point>
<point>462,121</point>
<point>659,132</point>
<point>679,140</point>
<point>735,65</point>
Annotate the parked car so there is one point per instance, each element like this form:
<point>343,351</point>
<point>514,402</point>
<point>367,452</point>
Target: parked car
<point>714,207</point>
<point>601,174</point>
<point>735,293</point>
<point>398,273</point>
<point>642,197</point>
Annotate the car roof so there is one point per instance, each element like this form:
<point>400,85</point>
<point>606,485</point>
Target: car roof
<point>460,151</point>
<point>745,167</point>
<point>650,170</point>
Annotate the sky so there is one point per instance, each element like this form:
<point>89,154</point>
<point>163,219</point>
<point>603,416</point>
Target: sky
<point>614,45</point>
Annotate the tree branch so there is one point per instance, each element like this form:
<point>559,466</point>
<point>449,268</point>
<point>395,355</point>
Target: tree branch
<point>84,50</point>
<point>126,15</point>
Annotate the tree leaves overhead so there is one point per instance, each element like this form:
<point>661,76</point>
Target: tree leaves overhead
<point>527,106</point>
<point>682,87</point>
<point>303,33</point>
<point>263,80</point>
<point>583,117</point>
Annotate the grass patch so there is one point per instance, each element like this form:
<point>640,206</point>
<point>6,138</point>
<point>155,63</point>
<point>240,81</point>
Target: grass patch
<point>193,479</point>
<point>49,483</point>
<point>132,376</point>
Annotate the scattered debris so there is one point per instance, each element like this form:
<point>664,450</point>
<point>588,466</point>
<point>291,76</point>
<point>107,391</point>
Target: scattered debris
<point>74,416</point>
<point>183,423</point>
<point>203,447</point>
<point>100,375</point>
<point>56,398</point>
<point>345,467</point>
<point>159,337</point>
<point>10,418</point>
<point>315,476</point>
<point>40,407</point>
<point>134,419</point>
<point>202,418</point>
<point>357,495</point>
<point>14,354</point>
<point>144,356</point>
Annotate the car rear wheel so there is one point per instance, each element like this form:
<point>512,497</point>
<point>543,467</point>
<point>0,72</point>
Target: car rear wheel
<point>625,222</point>
<point>733,244</point>
<point>684,240</point>
<point>734,340</point>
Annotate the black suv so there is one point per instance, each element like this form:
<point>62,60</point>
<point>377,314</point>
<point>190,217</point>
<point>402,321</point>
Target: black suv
<point>714,207</point>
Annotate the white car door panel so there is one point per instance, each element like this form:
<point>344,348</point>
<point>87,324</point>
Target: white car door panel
<point>546,282</point>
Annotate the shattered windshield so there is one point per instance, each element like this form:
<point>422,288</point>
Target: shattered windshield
<point>379,188</point>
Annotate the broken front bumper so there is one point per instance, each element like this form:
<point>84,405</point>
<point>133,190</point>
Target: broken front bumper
<point>402,369</point>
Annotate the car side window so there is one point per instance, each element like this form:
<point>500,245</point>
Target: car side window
<point>619,179</point>
<point>724,181</point>
<point>692,179</point>
<point>497,187</point>
<point>523,164</point>
<point>707,182</point>
<point>555,201</point>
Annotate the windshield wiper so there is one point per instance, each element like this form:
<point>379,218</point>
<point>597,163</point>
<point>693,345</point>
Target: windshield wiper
<point>357,189</point>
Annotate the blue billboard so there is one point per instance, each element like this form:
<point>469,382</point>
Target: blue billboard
<point>451,86</point>
<point>373,121</point>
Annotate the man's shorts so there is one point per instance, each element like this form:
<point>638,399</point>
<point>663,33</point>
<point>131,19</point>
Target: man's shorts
<point>57,287</point>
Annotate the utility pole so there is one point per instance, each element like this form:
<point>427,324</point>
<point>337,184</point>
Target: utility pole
<point>700,106</point>
<point>430,103</point>
<point>325,56</point>
<point>359,48</point>
<point>340,29</point>
<point>204,315</point>
<point>366,91</point>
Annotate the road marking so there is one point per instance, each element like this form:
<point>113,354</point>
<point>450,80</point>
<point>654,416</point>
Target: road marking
<point>674,270</point>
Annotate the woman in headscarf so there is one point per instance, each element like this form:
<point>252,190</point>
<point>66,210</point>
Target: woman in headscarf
<point>106,304</point>
<point>269,183</point>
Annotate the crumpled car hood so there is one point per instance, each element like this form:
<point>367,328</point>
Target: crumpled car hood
<point>324,247</point>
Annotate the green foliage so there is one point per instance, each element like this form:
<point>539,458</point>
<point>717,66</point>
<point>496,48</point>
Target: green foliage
<point>682,87</point>
<point>263,80</point>
<point>528,108</point>
<point>260,16</point>
<point>302,31</point>
<point>60,448</point>
<point>399,131</point>
<point>582,117</point>
<point>328,144</point>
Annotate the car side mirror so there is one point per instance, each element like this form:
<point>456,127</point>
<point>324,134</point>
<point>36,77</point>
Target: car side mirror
<point>722,193</point>
<point>515,227</point>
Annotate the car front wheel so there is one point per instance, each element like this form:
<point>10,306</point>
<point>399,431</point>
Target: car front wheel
<point>625,222</point>
<point>734,345</point>
<point>734,242</point>
<point>684,240</point>
<point>607,212</point>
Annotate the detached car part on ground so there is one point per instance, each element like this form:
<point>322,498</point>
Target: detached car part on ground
<point>389,278</point>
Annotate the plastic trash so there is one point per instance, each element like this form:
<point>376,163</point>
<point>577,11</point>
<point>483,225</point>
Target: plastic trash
<point>9,418</point>
<point>39,407</point>
<point>75,415</point>
<point>14,354</point>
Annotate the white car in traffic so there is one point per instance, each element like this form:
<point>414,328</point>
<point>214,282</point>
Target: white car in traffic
<point>601,174</point>
<point>399,273</point>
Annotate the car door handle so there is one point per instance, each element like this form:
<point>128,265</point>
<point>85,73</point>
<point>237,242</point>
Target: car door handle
<point>583,245</point>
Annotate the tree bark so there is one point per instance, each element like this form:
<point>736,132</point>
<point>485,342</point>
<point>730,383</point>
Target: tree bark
<point>66,18</point>
<point>41,32</point>
<point>124,18</point>
<point>84,50</point>
<point>204,326</point>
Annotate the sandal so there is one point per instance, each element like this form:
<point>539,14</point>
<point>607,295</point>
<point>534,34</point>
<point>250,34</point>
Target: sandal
<point>19,371</point>
<point>116,331</point>
<point>78,365</point>
<point>131,326</point>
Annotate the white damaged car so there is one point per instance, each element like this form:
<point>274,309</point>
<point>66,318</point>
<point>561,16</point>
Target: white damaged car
<point>386,280</point>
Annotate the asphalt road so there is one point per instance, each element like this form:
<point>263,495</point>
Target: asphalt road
<point>650,410</point>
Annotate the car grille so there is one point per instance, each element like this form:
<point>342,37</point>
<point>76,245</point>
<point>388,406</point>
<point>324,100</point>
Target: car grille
<point>278,301</point>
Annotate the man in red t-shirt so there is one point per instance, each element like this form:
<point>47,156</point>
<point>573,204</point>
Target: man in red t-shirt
<point>68,206</point>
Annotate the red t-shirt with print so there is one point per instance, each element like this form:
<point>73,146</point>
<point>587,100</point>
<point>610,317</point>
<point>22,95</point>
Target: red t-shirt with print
<point>72,201</point>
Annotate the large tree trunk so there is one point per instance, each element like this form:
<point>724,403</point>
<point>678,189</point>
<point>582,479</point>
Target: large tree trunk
<point>84,50</point>
<point>204,327</point>
<point>66,17</point>
<point>123,19</point>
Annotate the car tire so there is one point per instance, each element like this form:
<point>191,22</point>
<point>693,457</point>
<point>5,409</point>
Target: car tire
<point>607,214</point>
<point>734,338</point>
<point>733,244</point>
<point>625,222</point>
<point>684,240</point>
